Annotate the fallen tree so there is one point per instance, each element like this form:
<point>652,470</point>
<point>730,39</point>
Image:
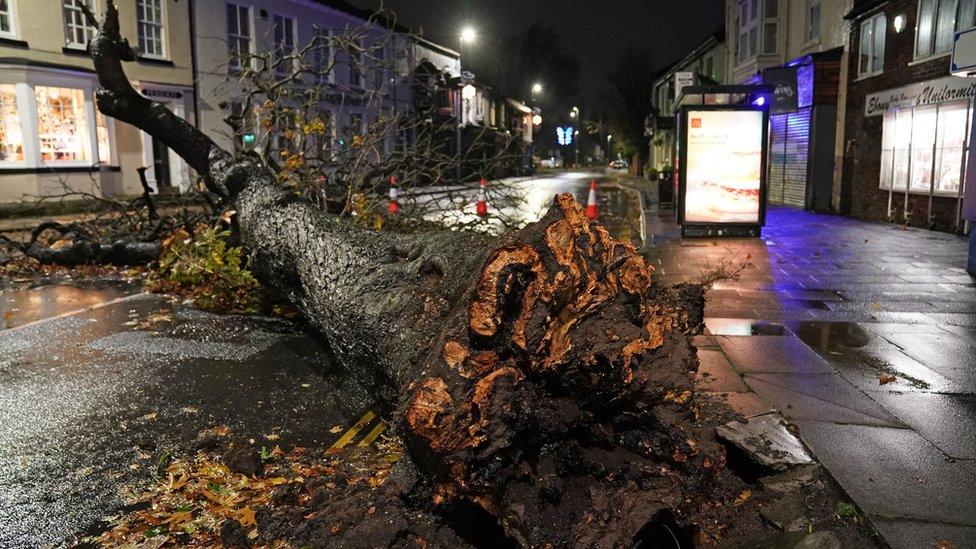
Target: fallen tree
<point>544,379</point>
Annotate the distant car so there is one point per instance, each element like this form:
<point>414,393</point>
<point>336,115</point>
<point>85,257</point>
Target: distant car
<point>552,162</point>
<point>619,164</point>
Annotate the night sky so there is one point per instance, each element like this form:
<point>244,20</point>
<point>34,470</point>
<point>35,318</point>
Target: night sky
<point>593,31</point>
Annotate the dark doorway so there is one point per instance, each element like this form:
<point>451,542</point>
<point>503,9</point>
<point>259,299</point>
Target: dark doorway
<point>161,164</point>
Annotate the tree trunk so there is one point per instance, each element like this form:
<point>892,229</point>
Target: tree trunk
<point>545,378</point>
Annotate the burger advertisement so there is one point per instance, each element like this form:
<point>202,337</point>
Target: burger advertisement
<point>724,166</point>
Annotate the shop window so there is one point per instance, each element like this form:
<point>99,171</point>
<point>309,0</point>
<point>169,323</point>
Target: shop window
<point>238,36</point>
<point>11,134</point>
<point>937,22</point>
<point>77,31</point>
<point>911,137</point>
<point>104,139</point>
<point>813,20</point>
<point>7,20</point>
<point>872,46</point>
<point>284,44</point>
<point>149,16</point>
<point>62,128</point>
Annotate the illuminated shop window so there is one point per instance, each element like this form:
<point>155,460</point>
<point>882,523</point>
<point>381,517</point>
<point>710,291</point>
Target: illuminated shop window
<point>11,136</point>
<point>61,124</point>
<point>104,141</point>
<point>907,148</point>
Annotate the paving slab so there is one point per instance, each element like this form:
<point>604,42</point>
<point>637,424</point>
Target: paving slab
<point>772,354</point>
<point>893,473</point>
<point>945,420</point>
<point>715,374</point>
<point>819,397</point>
<point>915,534</point>
<point>951,356</point>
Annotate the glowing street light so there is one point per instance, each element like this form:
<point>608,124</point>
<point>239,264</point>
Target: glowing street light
<point>537,88</point>
<point>468,34</point>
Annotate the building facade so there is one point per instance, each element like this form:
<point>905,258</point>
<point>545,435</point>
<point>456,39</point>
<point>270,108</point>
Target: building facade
<point>803,42</point>
<point>909,121</point>
<point>706,64</point>
<point>52,138</point>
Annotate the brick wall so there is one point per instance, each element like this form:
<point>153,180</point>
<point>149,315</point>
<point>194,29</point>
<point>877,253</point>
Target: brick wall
<point>860,192</point>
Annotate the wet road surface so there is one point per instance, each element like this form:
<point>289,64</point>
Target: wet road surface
<point>92,402</point>
<point>863,335</point>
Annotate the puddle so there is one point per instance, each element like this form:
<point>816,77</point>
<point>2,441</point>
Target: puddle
<point>743,327</point>
<point>849,344</point>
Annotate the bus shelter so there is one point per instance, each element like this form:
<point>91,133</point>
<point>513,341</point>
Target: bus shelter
<point>722,150</point>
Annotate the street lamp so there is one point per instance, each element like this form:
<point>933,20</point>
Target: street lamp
<point>536,88</point>
<point>468,34</point>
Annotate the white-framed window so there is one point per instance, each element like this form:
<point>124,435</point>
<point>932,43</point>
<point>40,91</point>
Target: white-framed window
<point>105,138</point>
<point>872,45</point>
<point>239,36</point>
<point>284,43</point>
<point>909,139</point>
<point>151,28</point>
<point>8,18</point>
<point>379,73</point>
<point>813,20</point>
<point>758,28</point>
<point>62,126</point>
<point>937,22</point>
<point>323,55</point>
<point>77,31</point>
<point>11,132</point>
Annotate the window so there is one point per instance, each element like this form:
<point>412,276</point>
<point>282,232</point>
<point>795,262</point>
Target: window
<point>710,68</point>
<point>104,138</point>
<point>62,127</point>
<point>77,31</point>
<point>284,44</point>
<point>354,57</point>
<point>770,22</point>
<point>937,22</point>
<point>872,46</point>
<point>323,55</point>
<point>149,16</point>
<point>238,36</point>
<point>918,133</point>
<point>379,74</point>
<point>758,28</point>
<point>11,135</point>
<point>813,20</point>
<point>7,18</point>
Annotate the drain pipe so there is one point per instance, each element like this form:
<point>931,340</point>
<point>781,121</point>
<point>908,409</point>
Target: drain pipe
<point>191,12</point>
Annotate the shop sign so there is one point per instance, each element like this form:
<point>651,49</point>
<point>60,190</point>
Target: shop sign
<point>783,82</point>
<point>943,90</point>
<point>162,94</point>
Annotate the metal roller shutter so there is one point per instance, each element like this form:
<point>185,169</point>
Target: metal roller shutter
<point>790,147</point>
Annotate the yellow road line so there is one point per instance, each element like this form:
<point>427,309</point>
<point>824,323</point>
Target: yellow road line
<point>368,439</point>
<point>351,433</point>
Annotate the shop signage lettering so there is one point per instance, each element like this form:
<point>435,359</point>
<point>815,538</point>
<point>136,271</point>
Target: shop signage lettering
<point>166,94</point>
<point>785,96</point>
<point>923,93</point>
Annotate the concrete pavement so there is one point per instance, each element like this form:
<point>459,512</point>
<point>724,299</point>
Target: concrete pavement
<point>862,334</point>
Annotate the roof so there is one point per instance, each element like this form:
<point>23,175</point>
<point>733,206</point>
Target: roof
<point>717,37</point>
<point>383,18</point>
<point>862,7</point>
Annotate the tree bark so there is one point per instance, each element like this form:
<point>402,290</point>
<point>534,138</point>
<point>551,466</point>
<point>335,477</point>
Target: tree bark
<point>545,378</point>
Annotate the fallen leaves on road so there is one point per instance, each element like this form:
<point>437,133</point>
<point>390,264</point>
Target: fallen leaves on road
<point>743,497</point>
<point>197,495</point>
<point>886,379</point>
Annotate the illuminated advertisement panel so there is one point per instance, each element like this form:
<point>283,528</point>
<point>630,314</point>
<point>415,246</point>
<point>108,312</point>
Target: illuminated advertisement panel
<point>724,166</point>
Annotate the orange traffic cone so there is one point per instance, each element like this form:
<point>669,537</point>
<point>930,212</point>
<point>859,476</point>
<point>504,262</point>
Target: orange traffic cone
<point>394,194</point>
<point>482,207</point>
<point>591,203</point>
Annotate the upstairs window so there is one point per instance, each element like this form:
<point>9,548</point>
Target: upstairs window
<point>770,23</point>
<point>149,16</point>
<point>323,56</point>
<point>872,45</point>
<point>77,31</point>
<point>284,44</point>
<point>937,22</point>
<point>7,27</point>
<point>238,36</point>
<point>354,57</point>
<point>813,20</point>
